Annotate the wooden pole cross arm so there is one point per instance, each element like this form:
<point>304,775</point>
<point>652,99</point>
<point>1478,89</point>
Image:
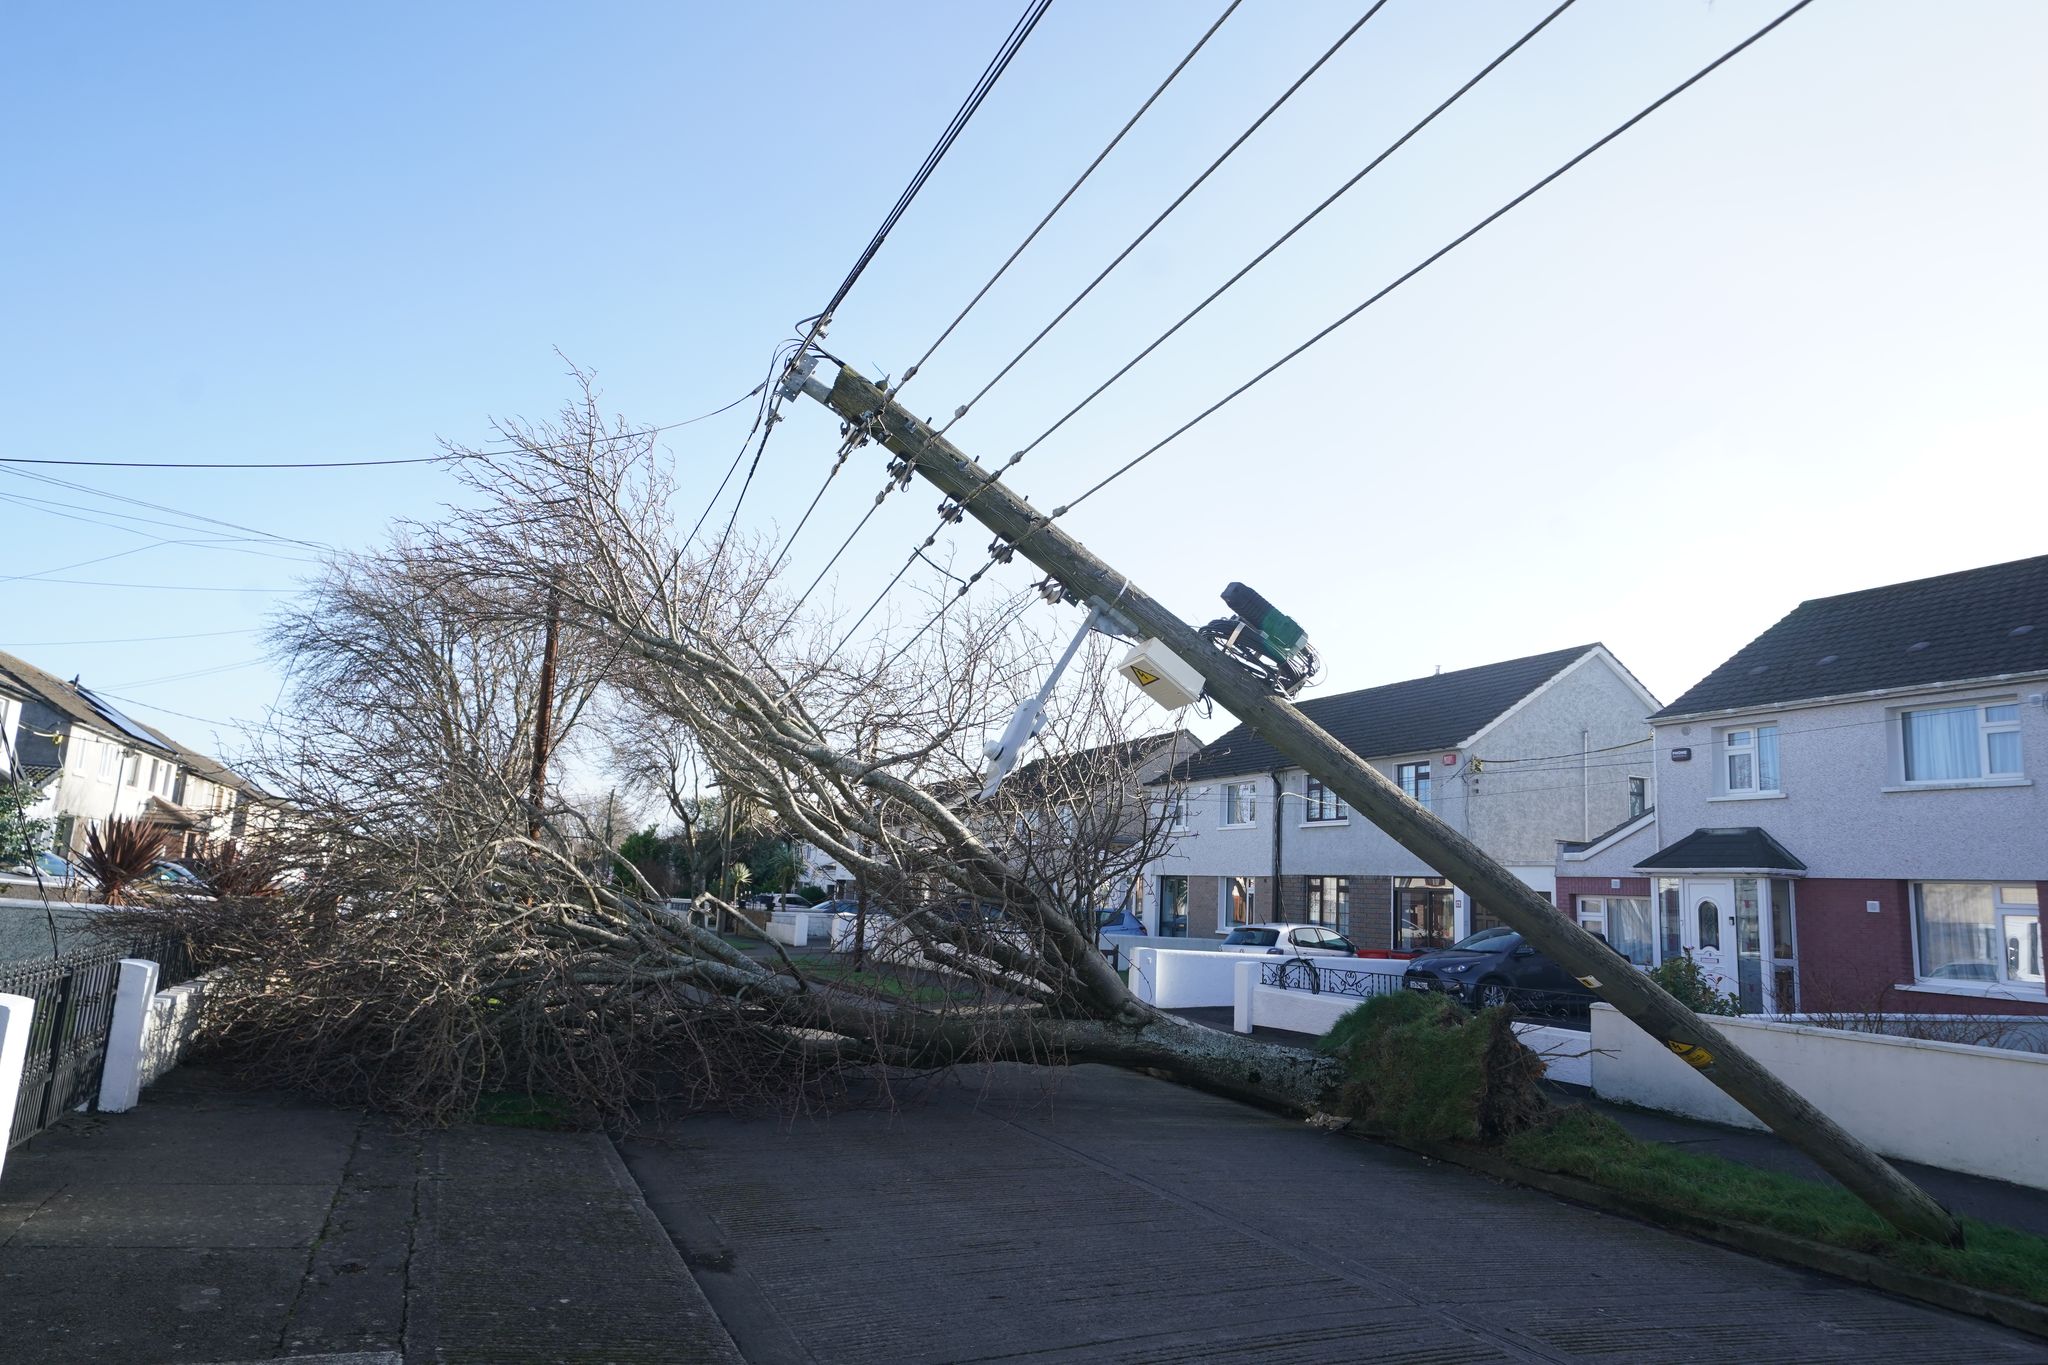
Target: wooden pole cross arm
<point>1306,745</point>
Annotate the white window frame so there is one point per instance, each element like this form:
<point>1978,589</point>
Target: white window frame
<point>2001,910</point>
<point>1747,741</point>
<point>1637,782</point>
<point>1986,728</point>
<point>1224,921</point>
<point>1321,806</point>
<point>1244,797</point>
<point>1599,908</point>
<point>1423,783</point>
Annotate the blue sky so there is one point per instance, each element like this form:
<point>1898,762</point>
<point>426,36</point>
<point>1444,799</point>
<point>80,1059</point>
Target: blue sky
<point>1779,341</point>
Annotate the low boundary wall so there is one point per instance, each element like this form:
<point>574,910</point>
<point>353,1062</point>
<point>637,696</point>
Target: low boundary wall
<point>148,1035</point>
<point>1979,1110</point>
<point>1183,978</point>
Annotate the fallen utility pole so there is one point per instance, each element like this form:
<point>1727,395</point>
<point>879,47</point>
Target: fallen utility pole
<point>1249,697</point>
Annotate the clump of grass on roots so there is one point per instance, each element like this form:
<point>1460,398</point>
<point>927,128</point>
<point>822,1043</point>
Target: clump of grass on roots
<point>1423,1069</point>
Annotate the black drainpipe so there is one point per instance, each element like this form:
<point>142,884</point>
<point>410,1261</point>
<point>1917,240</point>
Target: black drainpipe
<point>1277,916</point>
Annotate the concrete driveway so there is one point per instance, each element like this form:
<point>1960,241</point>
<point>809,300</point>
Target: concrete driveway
<point>1096,1215</point>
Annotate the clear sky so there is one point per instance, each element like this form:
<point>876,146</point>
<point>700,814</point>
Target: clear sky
<point>1784,339</point>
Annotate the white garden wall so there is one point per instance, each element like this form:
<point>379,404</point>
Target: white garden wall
<point>1980,1110</point>
<point>1183,979</point>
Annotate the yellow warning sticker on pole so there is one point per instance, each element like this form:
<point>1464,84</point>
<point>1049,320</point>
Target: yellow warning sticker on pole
<point>1695,1056</point>
<point>1144,679</point>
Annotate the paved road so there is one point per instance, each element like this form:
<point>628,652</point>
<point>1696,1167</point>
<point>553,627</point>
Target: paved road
<point>1120,1219</point>
<point>215,1225</point>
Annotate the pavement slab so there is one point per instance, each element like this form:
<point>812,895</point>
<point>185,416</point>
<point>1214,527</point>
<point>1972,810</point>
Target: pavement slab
<point>215,1225</point>
<point>1111,1217</point>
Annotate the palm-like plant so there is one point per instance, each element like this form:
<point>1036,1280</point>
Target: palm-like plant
<point>121,853</point>
<point>234,874</point>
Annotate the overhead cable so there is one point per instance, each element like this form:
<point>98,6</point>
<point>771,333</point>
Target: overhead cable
<point>1435,256</point>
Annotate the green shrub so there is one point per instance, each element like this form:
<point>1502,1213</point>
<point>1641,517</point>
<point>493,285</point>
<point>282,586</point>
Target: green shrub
<point>1684,979</point>
<point>1423,1069</point>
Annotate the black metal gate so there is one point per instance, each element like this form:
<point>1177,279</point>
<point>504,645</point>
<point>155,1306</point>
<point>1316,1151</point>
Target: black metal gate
<point>67,1039</point>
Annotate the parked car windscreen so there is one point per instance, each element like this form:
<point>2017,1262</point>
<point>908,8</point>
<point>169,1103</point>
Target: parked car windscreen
<point>1252,938</point>
<point>1489,940</point>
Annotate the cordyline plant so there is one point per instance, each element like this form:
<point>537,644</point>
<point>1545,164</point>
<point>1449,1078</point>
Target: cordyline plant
<point>236,873</point>
<point>434,952</point>
<point>121,853</point>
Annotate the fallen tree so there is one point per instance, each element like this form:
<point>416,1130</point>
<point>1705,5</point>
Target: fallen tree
<point>427,951</point>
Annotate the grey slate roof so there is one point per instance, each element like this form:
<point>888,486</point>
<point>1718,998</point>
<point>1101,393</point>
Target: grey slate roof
<point>1581,845</point>
<point>1706,850</point>
<point>1438,712</point>
<point>54,692</point>
<point>1980,623</point>
<point>25,679</point>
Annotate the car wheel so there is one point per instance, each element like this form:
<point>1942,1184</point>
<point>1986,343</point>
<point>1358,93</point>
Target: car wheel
<point>1489,995</point>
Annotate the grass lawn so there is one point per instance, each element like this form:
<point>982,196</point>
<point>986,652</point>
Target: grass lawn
<point>1594,1147</point>
<point>881,982</point>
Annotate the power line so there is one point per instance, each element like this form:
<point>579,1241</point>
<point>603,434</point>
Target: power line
<point>1072,189</point>
<point>164,587</point>
<point>1178,200</point>
<point>152,706</point>
<point>1279,241</point>
<point>219,464</point>
<point>761,412</point>
<point>90,491</point>
<point>1437,255</point>
<point>356,464</point>
<point>999,552</point>
<point>1168,211</point>
<point>992,73</point>
<point>133,640</point>
<point>227,544</point>
<point>206,672</point>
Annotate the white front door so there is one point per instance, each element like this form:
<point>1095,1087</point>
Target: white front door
<point>1709,931</point>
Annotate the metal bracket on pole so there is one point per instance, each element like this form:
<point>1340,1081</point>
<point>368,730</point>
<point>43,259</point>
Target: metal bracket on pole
<point>1002,753</point>
<point>800,378</point>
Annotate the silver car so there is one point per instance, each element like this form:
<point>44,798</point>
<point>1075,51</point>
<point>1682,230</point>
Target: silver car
<point>1289,940</point>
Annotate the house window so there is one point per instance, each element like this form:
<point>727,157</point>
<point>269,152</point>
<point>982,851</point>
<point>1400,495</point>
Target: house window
<point>1173,907</point>
<point>1424,913</point>
<point>1749,760</point>
<point>1414,780</point>
<point>1174,811</point>
<point>1670,924</point>
<point>110,760</point>
<point>1323,804</point>
<point>1960,743</point>
<point>1240,901</point>
<point>1625,923</point>
<point>1240,803</point>
<point>1977,932</point>
<point>1329,901</point>
<point>1638,797</point>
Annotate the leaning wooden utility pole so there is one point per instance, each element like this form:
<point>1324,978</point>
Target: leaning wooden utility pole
<point>1249,697</point>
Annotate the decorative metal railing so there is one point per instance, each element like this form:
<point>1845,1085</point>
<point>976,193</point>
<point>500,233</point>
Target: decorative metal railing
<point>74,1013</point>
<point>1307,974</point>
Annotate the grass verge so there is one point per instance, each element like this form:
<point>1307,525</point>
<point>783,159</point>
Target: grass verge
<point>1594,1148</point>
<point>882,983</point>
